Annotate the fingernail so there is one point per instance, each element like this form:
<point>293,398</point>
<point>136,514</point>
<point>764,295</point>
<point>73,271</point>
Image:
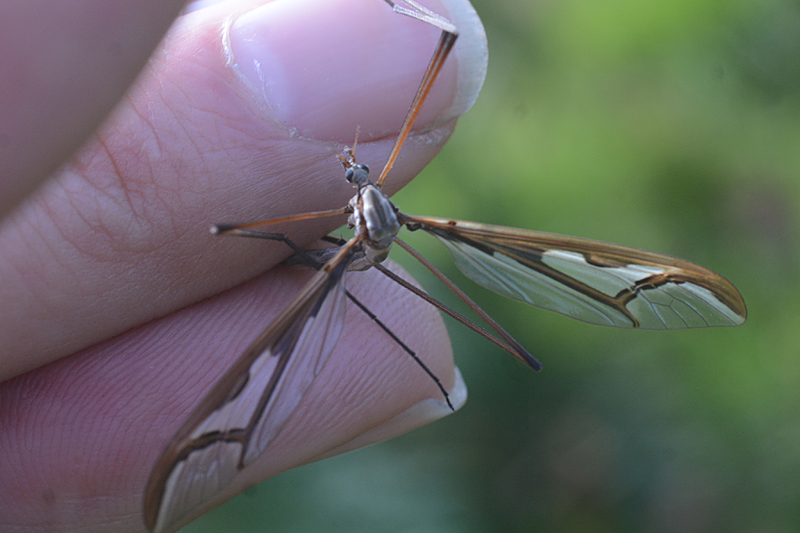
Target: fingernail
<point>419,414</point>
<point>322,68</point>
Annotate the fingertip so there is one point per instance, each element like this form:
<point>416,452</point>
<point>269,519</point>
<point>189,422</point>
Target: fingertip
<point>421,413</point>
<point>471,53</point>
<point>323,69</point>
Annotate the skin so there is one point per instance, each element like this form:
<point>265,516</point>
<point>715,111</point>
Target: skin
<point>119,310</point>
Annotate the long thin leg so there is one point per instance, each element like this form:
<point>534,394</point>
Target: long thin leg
<point>443,48</point>
<point>430,299</point>
<point>456,315</point>
<point>509,344</point>
<point>442,307</point>
<point>280,237</point>
<point>304,257</point>
<point>231,229</point>
<point>403,345</point>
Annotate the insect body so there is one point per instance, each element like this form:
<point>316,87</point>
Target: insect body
<point>588,280</point>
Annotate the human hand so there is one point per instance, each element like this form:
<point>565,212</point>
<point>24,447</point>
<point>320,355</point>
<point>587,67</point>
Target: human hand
<point>102,268</point>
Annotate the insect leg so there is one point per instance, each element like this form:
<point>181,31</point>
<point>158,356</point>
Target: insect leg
<point>446,42</point>
<point>304,257</point>
<point>405,347</point>
<point>339,242</point>
<point>226,229</point>
<point>508,343</point>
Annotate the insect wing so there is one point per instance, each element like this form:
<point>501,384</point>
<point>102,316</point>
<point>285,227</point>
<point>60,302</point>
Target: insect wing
<point>249,405</point>
<point>589,280</point>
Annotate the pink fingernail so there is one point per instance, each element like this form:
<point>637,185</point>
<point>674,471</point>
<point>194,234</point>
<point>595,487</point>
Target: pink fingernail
<point>323,68</point>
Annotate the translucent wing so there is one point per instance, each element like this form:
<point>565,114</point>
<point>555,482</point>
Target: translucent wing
<point>249,405</point>
<point>593,281</point>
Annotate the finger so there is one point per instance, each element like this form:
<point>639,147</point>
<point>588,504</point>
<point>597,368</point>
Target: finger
<point>120,237</point>
<point>63,67</point>
<point>81,435</point>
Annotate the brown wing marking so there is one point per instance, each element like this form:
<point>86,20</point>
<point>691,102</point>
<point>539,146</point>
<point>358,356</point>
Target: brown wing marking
<point>248,406</point>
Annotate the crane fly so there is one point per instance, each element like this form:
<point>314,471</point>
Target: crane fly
<point>592,281</point>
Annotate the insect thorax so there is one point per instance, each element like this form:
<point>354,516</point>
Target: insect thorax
<point>374,217</point>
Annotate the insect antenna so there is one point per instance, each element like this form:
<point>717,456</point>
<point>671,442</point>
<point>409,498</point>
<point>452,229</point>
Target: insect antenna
<point>349,159</point>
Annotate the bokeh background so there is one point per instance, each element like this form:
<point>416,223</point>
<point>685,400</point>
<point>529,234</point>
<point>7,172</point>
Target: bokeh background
<point>672,126</point>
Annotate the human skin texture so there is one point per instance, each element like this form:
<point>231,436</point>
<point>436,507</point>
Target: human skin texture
<point>119,309</point>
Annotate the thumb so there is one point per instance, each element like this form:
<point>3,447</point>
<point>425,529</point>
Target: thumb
<point>238,117</point>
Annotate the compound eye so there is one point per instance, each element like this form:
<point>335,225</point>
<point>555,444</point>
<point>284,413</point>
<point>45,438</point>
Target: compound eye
<point>348,175</point>
<point>365,167</point>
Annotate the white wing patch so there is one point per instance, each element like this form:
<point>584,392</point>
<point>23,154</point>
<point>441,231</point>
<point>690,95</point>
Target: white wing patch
<point>514,280</point>
<point>196,480</point>
<point>609,281</point>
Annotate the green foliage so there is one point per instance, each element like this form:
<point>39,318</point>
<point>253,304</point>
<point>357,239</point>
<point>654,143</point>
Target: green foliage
<point>670,126</point>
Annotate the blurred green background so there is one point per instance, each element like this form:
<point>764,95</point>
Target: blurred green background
<point>672,126</point>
